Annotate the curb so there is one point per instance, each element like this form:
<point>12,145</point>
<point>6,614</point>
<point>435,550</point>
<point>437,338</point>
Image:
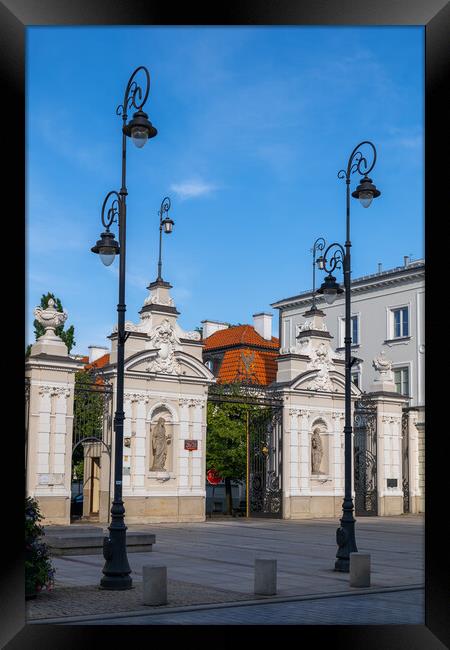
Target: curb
<point>242,603</point>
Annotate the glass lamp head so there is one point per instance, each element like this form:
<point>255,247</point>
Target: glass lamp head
<point>140,129</point>
<point>106,247</point>
<point>330,289</point>
<point>366,192</point>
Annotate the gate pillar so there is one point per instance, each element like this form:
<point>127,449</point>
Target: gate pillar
<point>311,380</point>
<point>51,374</point>
<point>165,393</point>
<point>389,405</point>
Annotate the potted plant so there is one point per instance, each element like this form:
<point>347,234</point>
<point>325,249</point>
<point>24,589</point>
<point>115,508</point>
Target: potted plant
<point>39,572</point>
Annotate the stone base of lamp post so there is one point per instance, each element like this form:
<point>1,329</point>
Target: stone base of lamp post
<point>116,572</point>
<point>345,539</point>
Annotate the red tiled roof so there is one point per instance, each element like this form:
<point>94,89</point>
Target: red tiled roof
<point>258,366</point>
<point>98,363</point>
<point>239,335</point>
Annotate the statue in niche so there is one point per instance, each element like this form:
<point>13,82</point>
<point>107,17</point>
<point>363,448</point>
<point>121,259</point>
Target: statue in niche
<point>316,452</point>
<point>159,445</point>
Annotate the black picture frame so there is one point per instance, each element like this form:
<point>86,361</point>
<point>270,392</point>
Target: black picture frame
<point>15,17</point>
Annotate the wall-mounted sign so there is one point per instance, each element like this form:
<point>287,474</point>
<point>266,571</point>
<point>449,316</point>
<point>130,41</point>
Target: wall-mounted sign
<point>51,479</point>
<point>191,445</point>
<point>391,482</point>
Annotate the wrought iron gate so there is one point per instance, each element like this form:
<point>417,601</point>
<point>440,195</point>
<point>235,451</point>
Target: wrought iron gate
<point>265,461</point>
<point>405,460</point>
<point>93,416</point>
<point>365,456</point>
<point>264,429</point>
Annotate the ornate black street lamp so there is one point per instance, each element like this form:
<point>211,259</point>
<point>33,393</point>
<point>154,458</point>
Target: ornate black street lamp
<point>365,192</point>
<point>318,245</point>
<point>166,224</point>
<point>116,571</point>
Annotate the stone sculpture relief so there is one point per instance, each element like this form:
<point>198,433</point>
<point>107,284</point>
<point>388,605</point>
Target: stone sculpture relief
<point>159,445</point>
<point>164,338</point>
<point>156,299</point>
<point>316,452</point>
<point>321,361</point>
<point>193,336</point>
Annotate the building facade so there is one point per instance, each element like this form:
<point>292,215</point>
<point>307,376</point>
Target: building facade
<point>387,315</point>
<point>388,319</point>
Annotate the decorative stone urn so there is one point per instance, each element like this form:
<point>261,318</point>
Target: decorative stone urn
<point>50,318</point>
<point>49,343</point>
<point>384,380</point>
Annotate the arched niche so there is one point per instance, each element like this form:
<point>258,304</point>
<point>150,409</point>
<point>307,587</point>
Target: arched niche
<point>319,448</point>
<point>160,439</point>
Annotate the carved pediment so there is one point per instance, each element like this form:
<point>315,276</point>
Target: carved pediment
<point>312,380</point>
<point>182,364</point>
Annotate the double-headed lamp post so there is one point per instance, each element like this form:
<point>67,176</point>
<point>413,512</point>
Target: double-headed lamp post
<point>335,256</point>
<point>166,224</point>
<point>116,571</point>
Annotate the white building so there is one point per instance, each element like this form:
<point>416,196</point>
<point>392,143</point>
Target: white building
<point>387,314</point>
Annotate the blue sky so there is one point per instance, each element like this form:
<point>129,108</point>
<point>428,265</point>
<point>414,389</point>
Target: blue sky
<point>253,125</point>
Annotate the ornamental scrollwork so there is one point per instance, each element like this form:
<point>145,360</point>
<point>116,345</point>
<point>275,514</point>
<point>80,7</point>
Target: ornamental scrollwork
<point>321,361</point>
<point>134,96</point>
<point>60,391</point>
<point>165,340</point>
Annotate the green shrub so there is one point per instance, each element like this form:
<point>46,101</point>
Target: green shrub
<point>39,572</point>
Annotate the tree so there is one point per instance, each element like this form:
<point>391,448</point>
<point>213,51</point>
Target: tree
<point>88,413</point>
<point>68,336</point>
<point>226,441</point>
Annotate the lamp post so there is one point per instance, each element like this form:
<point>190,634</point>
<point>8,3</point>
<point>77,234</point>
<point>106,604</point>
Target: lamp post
<point>167,224</point>
<point>116,571</point>
<point>365,192</point>
<point>318,245</point>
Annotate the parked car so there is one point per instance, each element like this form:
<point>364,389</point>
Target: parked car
<point>76,505</point>
<point>216,501</point>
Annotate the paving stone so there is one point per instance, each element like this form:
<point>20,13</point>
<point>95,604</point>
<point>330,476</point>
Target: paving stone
<point>76,601</point>
<point>217,558</point>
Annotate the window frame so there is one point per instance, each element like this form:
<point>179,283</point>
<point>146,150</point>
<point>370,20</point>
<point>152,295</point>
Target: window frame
<point>341,330</point>
<point>392,309</point>
<point>399,367</point>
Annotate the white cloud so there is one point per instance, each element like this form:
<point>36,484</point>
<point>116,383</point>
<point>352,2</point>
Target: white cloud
<point>192,188</point>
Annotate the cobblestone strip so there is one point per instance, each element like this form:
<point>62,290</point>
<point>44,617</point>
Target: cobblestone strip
<point>76,601</point>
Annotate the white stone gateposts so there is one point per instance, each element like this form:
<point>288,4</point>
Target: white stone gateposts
<point>389,405</point>
<point>51,374</point>
<point>165,393</point>
<point>311,380</point>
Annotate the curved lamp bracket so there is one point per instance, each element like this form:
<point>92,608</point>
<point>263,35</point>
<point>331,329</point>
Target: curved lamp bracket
<point>134,96</point>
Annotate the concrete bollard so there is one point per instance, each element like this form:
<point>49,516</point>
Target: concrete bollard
<point>154,585</point>
<point>265,577</point>
<point>359,570</point>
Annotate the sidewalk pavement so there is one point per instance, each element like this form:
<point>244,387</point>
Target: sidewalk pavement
<point>386,608</point>
<point>213,562</point>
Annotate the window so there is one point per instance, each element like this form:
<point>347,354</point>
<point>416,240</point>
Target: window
<point>400,322</point>
<point>354,330</point>
<point>355,379</point>
<point>401,380</point>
